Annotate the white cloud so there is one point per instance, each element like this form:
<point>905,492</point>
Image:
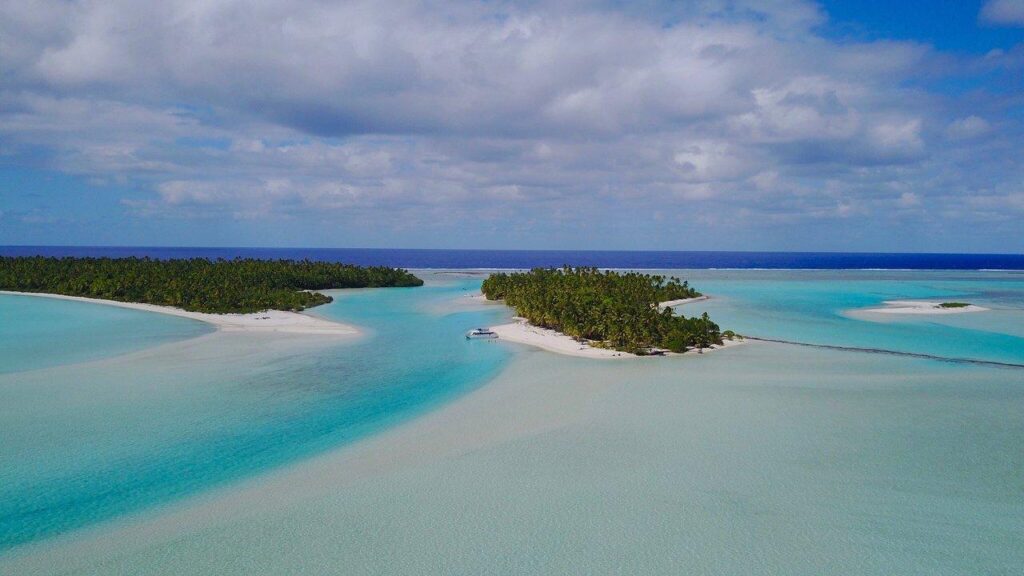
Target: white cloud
<point>1005,12</point>
<point>898,136</point>
<point>998,205</point>
<point>367,109</point>
<point>405,67</point>
<point>185,192</point>
<point>969,127</point>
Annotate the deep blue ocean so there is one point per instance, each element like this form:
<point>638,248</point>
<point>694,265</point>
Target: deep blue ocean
<point>416,258</point>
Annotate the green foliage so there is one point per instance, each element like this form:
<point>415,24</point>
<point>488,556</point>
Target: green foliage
<point>197,284</point>
<point>954,305</point>
<point>612,309</point>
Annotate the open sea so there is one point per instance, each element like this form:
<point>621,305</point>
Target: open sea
<point>865,444</point>
<point>516,259</point>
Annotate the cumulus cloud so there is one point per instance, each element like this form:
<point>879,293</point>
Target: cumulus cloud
<point>1004,12</point>
<point>441,111</point>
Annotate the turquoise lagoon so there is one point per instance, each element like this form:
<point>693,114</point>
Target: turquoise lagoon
<point>89,441</point>
<point>765,458</point>
<point>39,332</point>
<point>821,307</point>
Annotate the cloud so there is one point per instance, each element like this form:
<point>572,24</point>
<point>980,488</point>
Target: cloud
<point>412,68</point>
<point>908,200</point>
<point>436,114</point>
<point>1003,12</point>
<point>968,127</point>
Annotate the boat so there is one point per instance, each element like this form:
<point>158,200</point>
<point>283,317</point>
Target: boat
<point>480,334</point>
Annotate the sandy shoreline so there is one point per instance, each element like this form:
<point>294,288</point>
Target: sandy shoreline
<point>522,332</point>
<point>680,302</point>
<point>483,299</point>
<point>276,321</point>
<point>920,307</point>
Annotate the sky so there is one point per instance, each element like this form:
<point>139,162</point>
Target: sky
<point>644,125</point>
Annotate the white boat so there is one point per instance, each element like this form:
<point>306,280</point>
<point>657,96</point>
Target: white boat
<point>480,334</point>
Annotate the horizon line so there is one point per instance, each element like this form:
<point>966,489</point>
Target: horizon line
<point>623,250</point>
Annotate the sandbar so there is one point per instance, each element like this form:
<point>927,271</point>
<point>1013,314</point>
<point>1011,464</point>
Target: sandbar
<point>277,321</point>
<point>522,332</point>
<point>680,302</point>
<point>921,307</point>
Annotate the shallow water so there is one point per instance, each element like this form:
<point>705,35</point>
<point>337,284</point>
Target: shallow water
<point>39,332</point>
<point>815,307</point>
<point>764,458</point>
<point>89,441</point>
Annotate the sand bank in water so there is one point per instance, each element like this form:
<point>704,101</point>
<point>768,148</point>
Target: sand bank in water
<point>680,302</point>
<point>921,307</point>
<point>270,321</point>
<point>522,332</point>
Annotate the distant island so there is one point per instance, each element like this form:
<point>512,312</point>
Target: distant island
<point>607,309</point>
<point>923,307</point>
<point>197,284</point>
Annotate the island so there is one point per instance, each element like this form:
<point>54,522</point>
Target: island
<point>922,307</point>
<point>608,312</point>
<point>235,295</point>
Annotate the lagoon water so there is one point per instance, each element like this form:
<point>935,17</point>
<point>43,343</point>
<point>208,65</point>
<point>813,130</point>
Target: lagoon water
<point>814,307</point>
<point>40,332</point>
<point>88,441</point>
<point>413,451</point>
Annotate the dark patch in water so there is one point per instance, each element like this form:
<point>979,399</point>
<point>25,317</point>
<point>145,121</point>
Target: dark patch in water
<point>893,353</point>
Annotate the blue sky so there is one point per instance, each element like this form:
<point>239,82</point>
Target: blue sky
<point>703,124</point>
<point>948,25</point>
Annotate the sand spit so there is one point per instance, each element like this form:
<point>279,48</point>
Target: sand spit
<point>269,321</point>
<point>522,332</point>
<point>680,302</point>
<point>921,307</point>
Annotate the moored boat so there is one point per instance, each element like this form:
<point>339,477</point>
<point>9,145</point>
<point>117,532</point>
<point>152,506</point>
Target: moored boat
<point>480,334</point>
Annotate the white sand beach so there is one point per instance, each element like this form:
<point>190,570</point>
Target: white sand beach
<point>277,321</point>
<point>483,299</point>
<point>680,302</point>
<point>522,332</point>
<point>921,307</point>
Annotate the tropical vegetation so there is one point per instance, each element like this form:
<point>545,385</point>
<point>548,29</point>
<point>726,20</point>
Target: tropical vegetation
<point>196,284</point>
<point>610,309</point>
<point>954,305</point>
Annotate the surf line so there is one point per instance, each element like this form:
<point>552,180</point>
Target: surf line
<point>893,353</point>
